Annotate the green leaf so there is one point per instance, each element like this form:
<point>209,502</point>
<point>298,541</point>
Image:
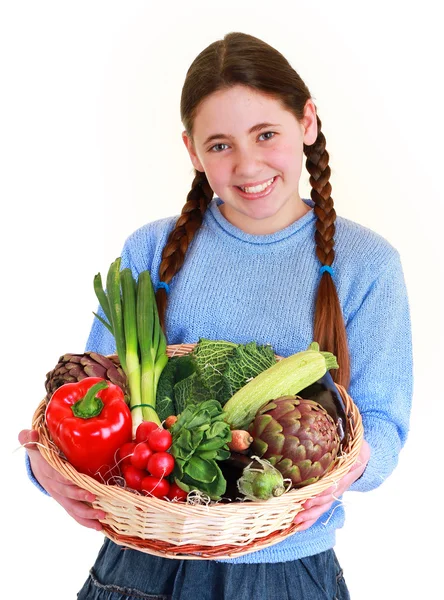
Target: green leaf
<point>185,366</point>
<point>165,390</point>
<point>219,428</point>
<point>178,469</point>
<point>208,455</point>
<point>197,435</point>
<point>107,325</point>
<point>223,454</point>
<point>180,482</point>
<point>189,391</point>
<point>183,444</point>
<point>217,487</point>
<point>204,471</point>
<point>214,489</point>
<point>211,358</point>
<point>246,363</point>
<point>200,419</point>
<point>165,408</point>
<point>213,444</point>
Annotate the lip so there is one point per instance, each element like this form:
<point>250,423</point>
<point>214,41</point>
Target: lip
<point>256,182</point>
<point>262,194</point>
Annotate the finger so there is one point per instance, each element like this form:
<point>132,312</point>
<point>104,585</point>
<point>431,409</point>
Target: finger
<point>28,438</point>
<point>71,491</point>
<point>306,524</point>
<point>81,512</point>
<point>43,468</point>
<point>311,515</point>
<point>321,499</point>
<point>91,524</point>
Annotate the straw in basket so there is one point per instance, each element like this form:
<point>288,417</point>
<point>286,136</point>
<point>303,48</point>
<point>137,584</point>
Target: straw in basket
<point>200,532</point>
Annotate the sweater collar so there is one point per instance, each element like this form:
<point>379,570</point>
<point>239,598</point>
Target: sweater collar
<point>271,238</point>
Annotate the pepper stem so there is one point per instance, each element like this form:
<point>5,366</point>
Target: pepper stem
<point>90,405</point>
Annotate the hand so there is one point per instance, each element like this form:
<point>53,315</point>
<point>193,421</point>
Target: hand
<point>315,507</point>
<point>67,494</point>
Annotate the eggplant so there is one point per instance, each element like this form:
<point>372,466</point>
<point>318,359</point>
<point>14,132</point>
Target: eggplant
<point>232,469</point>
<point>325,393</point>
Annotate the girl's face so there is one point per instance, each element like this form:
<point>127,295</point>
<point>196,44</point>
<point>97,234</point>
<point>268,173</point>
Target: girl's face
<point>251,149</point>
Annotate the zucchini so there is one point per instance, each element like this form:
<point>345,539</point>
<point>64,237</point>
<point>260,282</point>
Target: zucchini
<point>285,378</point>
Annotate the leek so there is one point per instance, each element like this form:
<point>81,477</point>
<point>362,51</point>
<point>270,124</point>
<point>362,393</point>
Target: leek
<point>131,316</point>
<point>128,286</point>
<point>152,344</point>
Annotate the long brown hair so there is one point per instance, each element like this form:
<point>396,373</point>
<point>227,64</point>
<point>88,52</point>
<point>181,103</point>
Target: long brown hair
<point>243,59</point>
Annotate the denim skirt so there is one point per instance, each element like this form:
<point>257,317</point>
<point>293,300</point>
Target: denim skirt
<point>123,574</point>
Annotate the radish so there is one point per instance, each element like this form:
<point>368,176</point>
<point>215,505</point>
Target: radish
<point>240,440</point>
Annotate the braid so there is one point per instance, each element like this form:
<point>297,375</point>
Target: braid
<point>329,327</point>
<point>187,224</point>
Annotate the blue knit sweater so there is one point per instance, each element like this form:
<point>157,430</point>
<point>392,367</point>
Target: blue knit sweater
<point>242,287</point>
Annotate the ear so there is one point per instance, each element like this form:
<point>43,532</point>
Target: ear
<point>192,152</point>
<point>309,123</point>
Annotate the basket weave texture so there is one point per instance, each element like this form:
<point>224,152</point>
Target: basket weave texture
<point>199,532</point>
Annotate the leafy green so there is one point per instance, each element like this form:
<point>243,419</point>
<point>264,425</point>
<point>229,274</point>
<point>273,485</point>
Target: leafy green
<point>212,358</point>
<point>200,438</point>
<point>165,390</point>
<point>214,370</point>
<point>246,362</point>
<point>225,367</point>
<point>192,389</point>
<point>169,400</point>
<point>185,366</point>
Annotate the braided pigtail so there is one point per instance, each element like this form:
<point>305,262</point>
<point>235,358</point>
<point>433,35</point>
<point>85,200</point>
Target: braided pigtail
<point>187,224</point>
<point>329,327</point>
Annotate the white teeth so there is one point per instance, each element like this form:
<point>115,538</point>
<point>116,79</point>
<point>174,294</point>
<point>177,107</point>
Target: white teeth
<point>257,188</point>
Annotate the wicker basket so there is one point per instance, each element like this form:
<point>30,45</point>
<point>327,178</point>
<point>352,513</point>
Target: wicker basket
<point>180,530</point>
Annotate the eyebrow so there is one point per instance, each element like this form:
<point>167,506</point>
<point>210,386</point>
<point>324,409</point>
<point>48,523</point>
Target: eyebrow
<point>218,136</point>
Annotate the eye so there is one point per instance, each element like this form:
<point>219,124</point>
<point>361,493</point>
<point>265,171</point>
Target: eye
<point>218,147</point>
<point>268,135</point>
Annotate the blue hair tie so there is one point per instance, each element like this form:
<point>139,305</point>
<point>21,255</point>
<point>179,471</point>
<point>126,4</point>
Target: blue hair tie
<point>325,268</point>
<point>163,285</point>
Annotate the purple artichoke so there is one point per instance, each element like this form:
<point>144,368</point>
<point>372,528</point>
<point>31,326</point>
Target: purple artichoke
<point>297,436</point>
<point>74,367</point>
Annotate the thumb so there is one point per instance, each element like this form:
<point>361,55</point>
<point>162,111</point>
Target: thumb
<point>28,437</point>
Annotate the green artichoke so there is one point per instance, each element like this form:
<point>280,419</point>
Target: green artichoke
<point>297,436</point>
<point>261,481</point>
<point>74,367</point>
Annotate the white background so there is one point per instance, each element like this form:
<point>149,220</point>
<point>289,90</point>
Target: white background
<point>91,149</point>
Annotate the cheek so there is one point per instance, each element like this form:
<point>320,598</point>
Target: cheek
<point>218,173</point>
<point>287,160</point>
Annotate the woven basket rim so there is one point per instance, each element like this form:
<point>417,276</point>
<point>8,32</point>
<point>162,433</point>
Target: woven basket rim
<point>132,518</point>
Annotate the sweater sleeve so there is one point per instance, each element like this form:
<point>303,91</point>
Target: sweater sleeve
<point>379,337</point>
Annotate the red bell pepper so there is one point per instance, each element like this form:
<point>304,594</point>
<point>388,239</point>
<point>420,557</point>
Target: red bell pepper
<point>89,420</point>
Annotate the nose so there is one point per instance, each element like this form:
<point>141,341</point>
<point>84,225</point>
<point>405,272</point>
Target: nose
<point>247,163</point>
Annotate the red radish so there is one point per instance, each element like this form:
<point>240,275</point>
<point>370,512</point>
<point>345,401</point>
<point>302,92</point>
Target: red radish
<point>144,429</point>
<point>160,464</point>
<point>153,486</point>
<point>141,453</point>
<point>241,440</point>
<point>124,454</point>
<point>169,421</point>
<point>177,493</point>
<point>133,477</point>
<point>160,440</point>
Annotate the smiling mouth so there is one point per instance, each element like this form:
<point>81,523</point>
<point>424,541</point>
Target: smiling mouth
<point>256,189</point>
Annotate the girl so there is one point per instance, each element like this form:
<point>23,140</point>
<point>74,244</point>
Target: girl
<point>258,262</point>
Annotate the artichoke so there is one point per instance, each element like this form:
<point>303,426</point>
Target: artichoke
<point>74,367</point>
<point>297,436</point>
<point>261,481</point>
